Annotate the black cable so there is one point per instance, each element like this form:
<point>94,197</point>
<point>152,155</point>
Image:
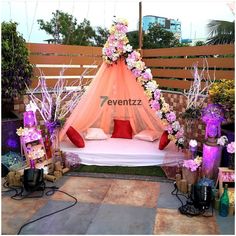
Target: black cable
<point>177,195</point>
<point>11,188</point>
<point>49,193</point>
<point>189,209</point>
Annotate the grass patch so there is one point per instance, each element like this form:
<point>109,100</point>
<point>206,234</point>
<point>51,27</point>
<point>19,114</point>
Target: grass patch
<point>141,170</point>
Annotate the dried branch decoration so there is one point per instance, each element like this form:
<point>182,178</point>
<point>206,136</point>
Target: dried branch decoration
<point>55,104</point>
<point>197,94</point>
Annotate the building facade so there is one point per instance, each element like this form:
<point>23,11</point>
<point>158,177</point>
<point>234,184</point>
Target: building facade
<point>171,25</point>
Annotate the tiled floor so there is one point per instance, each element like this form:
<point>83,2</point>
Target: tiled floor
<point>108,206</point>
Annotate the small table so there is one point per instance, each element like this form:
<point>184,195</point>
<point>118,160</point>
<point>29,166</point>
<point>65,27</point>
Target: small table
<point>225,175</point>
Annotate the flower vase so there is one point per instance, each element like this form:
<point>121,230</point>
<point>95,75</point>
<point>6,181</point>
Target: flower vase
<point>190,176</point>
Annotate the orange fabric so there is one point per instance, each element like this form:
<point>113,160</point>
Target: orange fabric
<point>119,85</point>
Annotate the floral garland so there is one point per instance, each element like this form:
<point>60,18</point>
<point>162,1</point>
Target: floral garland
<point>117,46</point>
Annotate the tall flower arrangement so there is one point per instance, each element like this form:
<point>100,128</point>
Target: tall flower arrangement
<point>117,46</point>
<point>55,104</point>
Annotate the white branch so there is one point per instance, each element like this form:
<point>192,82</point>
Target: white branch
<point>196,94</point>
<point>56,98</point>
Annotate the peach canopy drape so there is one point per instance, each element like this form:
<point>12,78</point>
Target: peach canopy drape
<point>126,100</point>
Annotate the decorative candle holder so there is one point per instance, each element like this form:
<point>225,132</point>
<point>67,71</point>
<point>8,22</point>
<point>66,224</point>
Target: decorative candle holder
<point>193,148</point>
<point>193,151</point>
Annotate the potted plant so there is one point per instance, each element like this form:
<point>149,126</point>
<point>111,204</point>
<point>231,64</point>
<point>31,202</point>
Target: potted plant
<point>16,72</point>
<point>223,93</point>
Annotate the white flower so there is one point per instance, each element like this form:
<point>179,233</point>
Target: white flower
<point>151,85</point>
<point>31,107</point>
<point>139,65</point>
<point>222,141</point>
<point>176,125</point>
<point>128,48</point>
<point>193,143</point>
<point>159,114</point>
<point>180,141</point>
<point>130,63</point>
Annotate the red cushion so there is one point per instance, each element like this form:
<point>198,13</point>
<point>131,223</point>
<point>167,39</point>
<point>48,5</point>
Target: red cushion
<point>75,137</point>
<point>164,141</point>
<point>122,129</point>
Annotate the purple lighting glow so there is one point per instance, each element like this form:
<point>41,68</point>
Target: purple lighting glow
<point>211,160</point>
<point>12,143</point>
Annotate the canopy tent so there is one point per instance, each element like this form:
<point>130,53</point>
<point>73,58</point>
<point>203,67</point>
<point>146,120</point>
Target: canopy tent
<point>114,93</point>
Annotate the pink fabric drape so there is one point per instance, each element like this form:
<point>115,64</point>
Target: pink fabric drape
<point>126,100</point>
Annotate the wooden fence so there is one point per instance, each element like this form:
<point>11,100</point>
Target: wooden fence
<point>171,67</point>
<point>50,59</point>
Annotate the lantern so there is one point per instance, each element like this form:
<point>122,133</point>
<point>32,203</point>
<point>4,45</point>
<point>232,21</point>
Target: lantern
<point>213,116</point>
<point>29,119</point>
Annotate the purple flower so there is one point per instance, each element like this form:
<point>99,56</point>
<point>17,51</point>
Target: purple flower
<point>157,94</point>
<point>169,129</point>
<point>190,164</point>
<point>122,28</point>
<point>147,75</point>
<point>155,105</point>
<point>170,116</point>
<point>180,133</point>
<point>111,38</point>
<point>213,113</point>
<point>109,51</point>
<point>136,72</point>
<point>134,55</point>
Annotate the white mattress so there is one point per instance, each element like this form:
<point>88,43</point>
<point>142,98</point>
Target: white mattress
<point>123,152</point>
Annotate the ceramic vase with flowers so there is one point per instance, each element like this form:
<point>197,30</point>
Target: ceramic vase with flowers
<point>190,169</point>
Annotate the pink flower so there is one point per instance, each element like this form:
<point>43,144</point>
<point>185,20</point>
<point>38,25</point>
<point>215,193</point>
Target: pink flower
<point>191,165</point>
<point>134,55</point>
<point>169,129</point>
<point>136,72</point>
<point>111,38</point>
<point>180,133</point>
<point>155,105</point>
<point>109,51</point>
<point>122,28</point>
<point>147,75</point>
<point>157,94</point>
<point>120,45</point>
<point>231,147</point>
<point>171,117</point>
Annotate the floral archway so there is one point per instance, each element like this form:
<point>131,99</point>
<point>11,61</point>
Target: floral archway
<point>118,46</point>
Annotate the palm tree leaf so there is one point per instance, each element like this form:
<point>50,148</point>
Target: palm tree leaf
<point>220,32</point>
